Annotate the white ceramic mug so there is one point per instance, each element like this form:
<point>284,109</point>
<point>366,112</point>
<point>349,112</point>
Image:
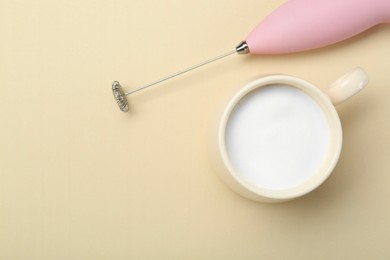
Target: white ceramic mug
<point>279,137</point>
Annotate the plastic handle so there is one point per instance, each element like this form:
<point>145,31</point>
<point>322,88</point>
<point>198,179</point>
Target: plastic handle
<point>300,25</point>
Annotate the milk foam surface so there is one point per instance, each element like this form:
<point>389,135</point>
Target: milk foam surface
<point>277,137</point>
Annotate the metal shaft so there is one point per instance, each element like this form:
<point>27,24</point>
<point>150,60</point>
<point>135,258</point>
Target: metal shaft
<point>120,96</point>
<point>182,72</point>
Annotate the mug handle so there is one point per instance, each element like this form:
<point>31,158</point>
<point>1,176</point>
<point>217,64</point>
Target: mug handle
<point>347,85</point>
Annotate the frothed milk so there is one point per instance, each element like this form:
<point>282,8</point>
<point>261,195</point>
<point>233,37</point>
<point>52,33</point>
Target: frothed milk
<point>277,137</point>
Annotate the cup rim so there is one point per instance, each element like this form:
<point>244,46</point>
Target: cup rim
<point>327,166</point>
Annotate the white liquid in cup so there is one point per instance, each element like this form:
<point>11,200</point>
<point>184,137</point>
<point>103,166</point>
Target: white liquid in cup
<point>277,137</point>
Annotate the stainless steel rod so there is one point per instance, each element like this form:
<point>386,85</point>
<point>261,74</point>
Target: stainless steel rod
<point>181,72</point>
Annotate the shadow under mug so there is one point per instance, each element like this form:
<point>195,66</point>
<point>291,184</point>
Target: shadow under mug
<point>339,91</point>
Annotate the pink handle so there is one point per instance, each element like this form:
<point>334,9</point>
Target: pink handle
<point>300,25</point>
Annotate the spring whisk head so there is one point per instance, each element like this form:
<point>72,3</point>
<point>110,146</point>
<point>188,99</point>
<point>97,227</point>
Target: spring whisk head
<point>120,96</point>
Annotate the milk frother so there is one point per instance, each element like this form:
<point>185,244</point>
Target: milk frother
<point>297,25</point>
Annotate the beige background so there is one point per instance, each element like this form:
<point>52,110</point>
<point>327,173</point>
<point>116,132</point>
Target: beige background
<point>81,180</point>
